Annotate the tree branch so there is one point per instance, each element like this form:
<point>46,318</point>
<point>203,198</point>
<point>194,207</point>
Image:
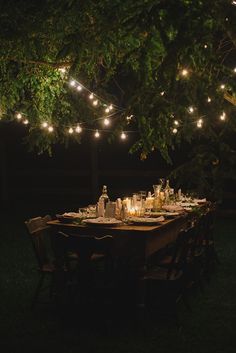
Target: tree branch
<point>230,98</point>
<point>39,62</point>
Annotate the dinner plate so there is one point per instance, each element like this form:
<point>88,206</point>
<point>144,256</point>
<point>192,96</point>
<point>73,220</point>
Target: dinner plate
<point>145,220</point>
<point>162,213</point>
<point>73,216</point>
<point>200,201</point>
<point>102,221</point>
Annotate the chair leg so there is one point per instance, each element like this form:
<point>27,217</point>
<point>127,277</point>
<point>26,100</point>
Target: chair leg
<point>37,290</point>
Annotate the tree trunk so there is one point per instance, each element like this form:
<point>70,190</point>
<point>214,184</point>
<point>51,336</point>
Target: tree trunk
<point>3,173</point>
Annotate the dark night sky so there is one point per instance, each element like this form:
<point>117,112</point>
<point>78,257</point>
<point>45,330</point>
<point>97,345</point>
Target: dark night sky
<point>65,180</point>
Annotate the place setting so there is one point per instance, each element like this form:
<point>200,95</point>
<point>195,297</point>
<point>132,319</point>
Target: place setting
<point>142,208</point>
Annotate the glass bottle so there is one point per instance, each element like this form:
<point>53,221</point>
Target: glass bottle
<point>104,196</point>
<point>167,191</point>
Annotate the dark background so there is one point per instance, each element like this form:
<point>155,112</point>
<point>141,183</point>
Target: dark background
<point>73,176</point>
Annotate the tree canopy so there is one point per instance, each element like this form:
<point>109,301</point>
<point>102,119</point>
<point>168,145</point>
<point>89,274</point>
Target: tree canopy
<point>170,64</point>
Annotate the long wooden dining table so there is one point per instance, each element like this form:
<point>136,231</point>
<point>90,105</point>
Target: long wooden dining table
<point>139,241</point>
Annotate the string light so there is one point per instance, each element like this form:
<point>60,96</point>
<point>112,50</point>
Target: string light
<point>97,134</point>
<point>123,136</point>
<point>184,72</point>
<point>199,123</point>
<point>78,129</point>
<point>72,83</point>
<point>44,124</point>
<point>191,110</point>
<point>233,2</point>
<point>106,121</point>
<point>96,100</point>
<point>205,46</point>
<point>223,116</point>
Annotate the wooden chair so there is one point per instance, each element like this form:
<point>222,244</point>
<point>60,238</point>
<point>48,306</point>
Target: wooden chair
<point>163,286</point>
<point>206,242</point>
<point>95,263</point>
<point>39,233</point>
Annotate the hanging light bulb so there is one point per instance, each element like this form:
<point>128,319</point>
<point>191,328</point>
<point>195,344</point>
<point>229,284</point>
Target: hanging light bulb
<point>72,83</point>
<point>70,130</point>
<point>199,123</point>
<point>91,96</point>
<point>97,134</point>
<point>184,72</point>
<point>191,110</point>
<point>18,116</point>
<point>223,116</point>
<point>233,2</point>
<point>174,130</point>
<point>129,117</point>
<point>110,106</point>
<point>106,121</point>
<point>26,121</point>
<point>50,129</point>
<point>107,110</point>
<point>79,88</point>
<point>95,103</point>
<point>235,70</point>
<point>176,122</point>
<point>209,100</point>
<point>162,93</point>
<point>222,86</point>
<point>78,129</point>
<point>44,124</point>
<point>205,46</point>
<point>123,135</point>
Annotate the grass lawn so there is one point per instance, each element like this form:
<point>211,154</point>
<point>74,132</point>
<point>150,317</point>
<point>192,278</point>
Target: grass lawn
<point>210,327</point>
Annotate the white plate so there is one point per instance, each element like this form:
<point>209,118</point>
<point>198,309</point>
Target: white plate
<point>102,221</point>
<point>162,213</point>
<point>145,220</point>
<point>200,200</point>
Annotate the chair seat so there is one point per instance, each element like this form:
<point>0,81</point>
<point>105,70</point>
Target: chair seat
<point>161,274</point>
<point>48,268</point>
<point>97,257</point>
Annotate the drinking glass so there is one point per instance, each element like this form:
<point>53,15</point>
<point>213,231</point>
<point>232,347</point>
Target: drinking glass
<point>157,189</point>
<point>162,182</point>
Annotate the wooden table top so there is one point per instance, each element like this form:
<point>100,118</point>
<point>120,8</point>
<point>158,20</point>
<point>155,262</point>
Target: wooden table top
<point>118,228</point>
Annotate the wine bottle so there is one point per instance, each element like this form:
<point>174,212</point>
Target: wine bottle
<point>104,196</point>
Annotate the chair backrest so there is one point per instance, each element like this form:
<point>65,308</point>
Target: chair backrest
<point>205,226</point>
<point>87,245</point>
<point>181,251</point>
<point>39,234</point>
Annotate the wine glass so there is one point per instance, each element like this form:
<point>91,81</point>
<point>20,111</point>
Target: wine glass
<point>162,182</point>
